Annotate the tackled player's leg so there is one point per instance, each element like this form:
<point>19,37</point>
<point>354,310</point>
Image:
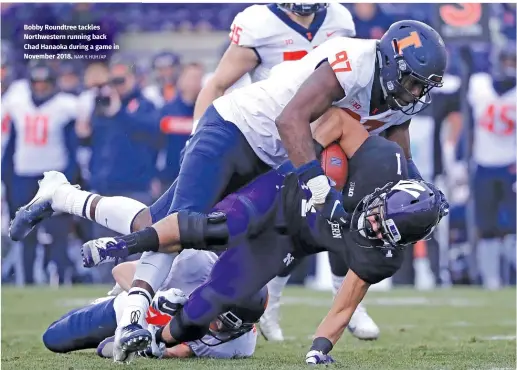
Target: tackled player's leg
<point>82,328</point>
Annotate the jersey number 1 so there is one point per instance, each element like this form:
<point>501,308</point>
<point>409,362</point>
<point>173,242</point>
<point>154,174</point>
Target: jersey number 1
<point>36,130</point>
<point>399,169</point>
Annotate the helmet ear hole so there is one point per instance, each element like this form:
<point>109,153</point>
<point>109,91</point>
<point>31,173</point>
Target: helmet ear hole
<point>414,201</point>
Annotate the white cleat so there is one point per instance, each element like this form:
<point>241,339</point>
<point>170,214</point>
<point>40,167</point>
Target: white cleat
<point>128,341</point>
<point>39,208</point>
<point>103,250</point>
<point>269,322</point>
<point>362,326</point>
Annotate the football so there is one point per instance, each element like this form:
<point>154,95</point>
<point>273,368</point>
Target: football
<point>335,165</point>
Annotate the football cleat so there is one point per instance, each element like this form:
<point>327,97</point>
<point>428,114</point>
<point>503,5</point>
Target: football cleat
<point>269,322</point>
<point>103,250</point>
<point>362,326</point>
<point>317,358</point>
<point>128,341</point>
<point>154,350</point>
<point>39,208</point>
<point>105,348</point>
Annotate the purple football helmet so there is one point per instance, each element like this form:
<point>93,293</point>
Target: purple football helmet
<point>406,212</point>
<point>303,9</point>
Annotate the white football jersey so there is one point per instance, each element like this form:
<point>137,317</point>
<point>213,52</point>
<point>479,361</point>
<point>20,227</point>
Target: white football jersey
<point>254,108</point>
<point>494,122</point>
<point>276,38</point>
<point>40,143</point>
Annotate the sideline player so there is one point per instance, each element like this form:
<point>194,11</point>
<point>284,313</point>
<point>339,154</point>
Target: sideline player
<point>263,36</point>
<point>492,99</point>
<point>42,138</point>
<point>269,224</point>
<point>238,139</point>
<point>93,326</point>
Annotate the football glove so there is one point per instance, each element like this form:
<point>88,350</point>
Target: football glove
<point>328,201</point>
<point>169,301</point>
<point>318,358</point>
<point>333,209</point>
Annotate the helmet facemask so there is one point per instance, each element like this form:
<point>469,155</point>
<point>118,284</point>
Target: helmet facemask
<point>303,9</point>
<point>226,327</point>
<point>409,89</point>
<point>387,232</point>
<point>373,206</point>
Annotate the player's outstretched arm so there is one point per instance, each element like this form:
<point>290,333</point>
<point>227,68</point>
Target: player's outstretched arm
<point>313,99</point>
<point>348,298</point>
<point>235,63</point>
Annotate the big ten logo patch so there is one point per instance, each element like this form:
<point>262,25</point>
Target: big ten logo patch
<point>335,161</point>
<point>176,125</point>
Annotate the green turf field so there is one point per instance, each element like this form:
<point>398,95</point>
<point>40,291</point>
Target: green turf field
<point>449,329</point>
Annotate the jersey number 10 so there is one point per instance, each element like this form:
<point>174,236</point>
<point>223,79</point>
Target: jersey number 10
<point>36,130</point>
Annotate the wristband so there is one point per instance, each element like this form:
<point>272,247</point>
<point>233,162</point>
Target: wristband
<point>309,170</point>
<point>322,344</point>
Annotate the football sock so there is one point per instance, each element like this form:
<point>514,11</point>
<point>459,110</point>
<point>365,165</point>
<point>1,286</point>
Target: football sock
<point>138,301</point>
<point>275,288</point>
<point>488,254</point>
<point>115,213</point>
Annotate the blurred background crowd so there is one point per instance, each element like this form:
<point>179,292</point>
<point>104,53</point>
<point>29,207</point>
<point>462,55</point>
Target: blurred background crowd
<point>134,114</point>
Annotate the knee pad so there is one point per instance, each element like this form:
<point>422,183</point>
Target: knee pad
<point>183,330</point>
<point>203,232</point>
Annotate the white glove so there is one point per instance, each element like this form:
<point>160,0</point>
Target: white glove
<point>169,301</point>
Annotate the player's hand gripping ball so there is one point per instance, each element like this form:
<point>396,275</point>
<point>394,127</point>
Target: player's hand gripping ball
<point>335,165</point>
